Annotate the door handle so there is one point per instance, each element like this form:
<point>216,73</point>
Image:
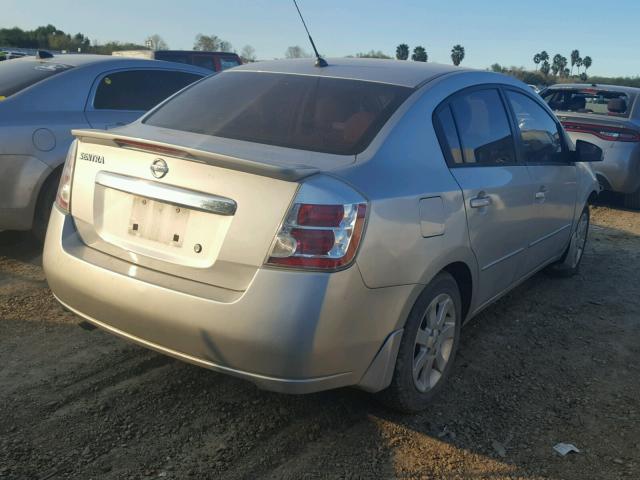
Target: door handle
<point>480,202</point>
<point>541,194</point>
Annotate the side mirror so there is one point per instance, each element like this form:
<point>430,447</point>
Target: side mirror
<point>587,152</point>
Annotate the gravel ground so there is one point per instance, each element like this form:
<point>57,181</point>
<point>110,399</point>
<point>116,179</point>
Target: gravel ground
<point>554,361</point>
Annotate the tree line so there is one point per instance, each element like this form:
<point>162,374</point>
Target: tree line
<point>419,54</point>
<point>51,38</point>
<point>558,65</point>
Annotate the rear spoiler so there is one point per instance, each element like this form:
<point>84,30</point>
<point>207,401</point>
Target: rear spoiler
<point>291,173</point>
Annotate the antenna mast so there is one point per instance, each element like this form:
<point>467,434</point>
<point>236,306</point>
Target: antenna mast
<point>320,62</point>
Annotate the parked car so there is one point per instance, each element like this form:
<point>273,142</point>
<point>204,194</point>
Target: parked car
<point>310,228</point>
<point>609,116</point>
<point>215,61</point>
<point>43,99</point>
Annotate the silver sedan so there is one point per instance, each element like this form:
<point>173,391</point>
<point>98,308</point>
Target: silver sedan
<point>308,228</point>
<point>41,100</point>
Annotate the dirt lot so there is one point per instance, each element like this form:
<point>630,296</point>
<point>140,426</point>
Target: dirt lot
<point>554,361</point>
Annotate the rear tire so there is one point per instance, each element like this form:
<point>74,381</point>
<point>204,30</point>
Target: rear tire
<point>43,208</point>
<point>569,264</point>
<point>632,200</point>
<point>428,347</point>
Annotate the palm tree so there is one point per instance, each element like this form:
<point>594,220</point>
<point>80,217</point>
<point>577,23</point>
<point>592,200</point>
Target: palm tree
<point>544,58</point>
<point>555,65</point>
<point>579,64</point>
<point>402,51</point>
<point>457,54</point>
<point>586,61</point>
<point>562,64</point>
<point>575,55</point>
<point>545,67</point>
<point>537,60</point>
<point>419,54</point>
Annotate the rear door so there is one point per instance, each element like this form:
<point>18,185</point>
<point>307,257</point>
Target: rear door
<point>480,147</point>
<point>554,177</point>
<point>120,97</point>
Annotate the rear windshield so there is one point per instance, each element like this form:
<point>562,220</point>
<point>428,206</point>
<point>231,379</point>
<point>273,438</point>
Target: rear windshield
<point>304,112</point>
<point>589,100</point>
<point>16,75</point>
<point>228,62</point>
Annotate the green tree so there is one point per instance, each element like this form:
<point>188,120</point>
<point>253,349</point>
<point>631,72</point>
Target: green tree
<point>372,54</point>
<point>586,61</point>
<point>562,66</point>
<point>537,60</point>
<point>496,67</point>
<point>457,54</point>
<point>296,51</point>
<point>419,54</point>
<point>156,42</point>
<point>248,54</point>
<point>402,51</point>
<point>545,67</point>
<point>555,64</point>
<point>544,56</point>
<point>575,56</point>
<point>225,46</point>
<point>579,64</point>
<point>207,43</point>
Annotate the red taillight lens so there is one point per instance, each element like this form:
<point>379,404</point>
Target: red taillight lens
<point>313,242</point>
<point>320,215</point>
<point>63,197</point>
<point>605,132</point>
<point>319,236</point>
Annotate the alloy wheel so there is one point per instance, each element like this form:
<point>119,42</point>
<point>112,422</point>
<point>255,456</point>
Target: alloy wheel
<point>434,342</point>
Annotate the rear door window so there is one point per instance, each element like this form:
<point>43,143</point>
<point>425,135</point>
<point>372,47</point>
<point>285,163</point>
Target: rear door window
<point>139,90</point>
<point>205,61</point>
<point>305,112</point>
<point>16,75</point>
<point>588,100</point>
<point>449,141</point>
<point>483,127</point>
<point>539,133</point>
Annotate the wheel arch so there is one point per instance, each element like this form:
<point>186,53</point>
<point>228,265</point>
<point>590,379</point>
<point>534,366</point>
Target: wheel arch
<point>461,273</point>
<point>51,177</point>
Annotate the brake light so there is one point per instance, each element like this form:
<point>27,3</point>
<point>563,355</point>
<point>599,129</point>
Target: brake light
<point>63,197</point>
<point>604,132</point>
<point>319,236</point>
<point>149,147</point>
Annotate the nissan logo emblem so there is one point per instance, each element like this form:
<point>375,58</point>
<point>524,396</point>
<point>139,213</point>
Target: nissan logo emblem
<point>159,168</point>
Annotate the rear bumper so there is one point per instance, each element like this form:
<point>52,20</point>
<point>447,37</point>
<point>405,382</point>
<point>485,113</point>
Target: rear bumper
<point>20,179</point>
<point>293,332</point>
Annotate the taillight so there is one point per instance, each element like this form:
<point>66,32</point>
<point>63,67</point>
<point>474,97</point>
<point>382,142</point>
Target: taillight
<point>319,236</point>
<point>605,132</point>
<point>63,197</point>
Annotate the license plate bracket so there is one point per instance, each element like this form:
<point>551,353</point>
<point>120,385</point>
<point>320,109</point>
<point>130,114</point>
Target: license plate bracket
<point>158,221</point>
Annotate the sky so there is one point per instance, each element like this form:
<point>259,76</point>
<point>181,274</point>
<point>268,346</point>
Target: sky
<point>506,32</point>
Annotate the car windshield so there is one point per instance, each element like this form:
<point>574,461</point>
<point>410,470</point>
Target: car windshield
<point>588,100</point>
<point>16,75</point>
<point>297,111</point>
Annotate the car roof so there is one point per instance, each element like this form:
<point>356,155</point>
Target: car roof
<point>198,52</point>
<point>73,59</point>
<point>613,88</point>
<point>397,72</point>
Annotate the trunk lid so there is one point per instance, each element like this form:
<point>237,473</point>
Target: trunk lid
<point>203,216</point>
